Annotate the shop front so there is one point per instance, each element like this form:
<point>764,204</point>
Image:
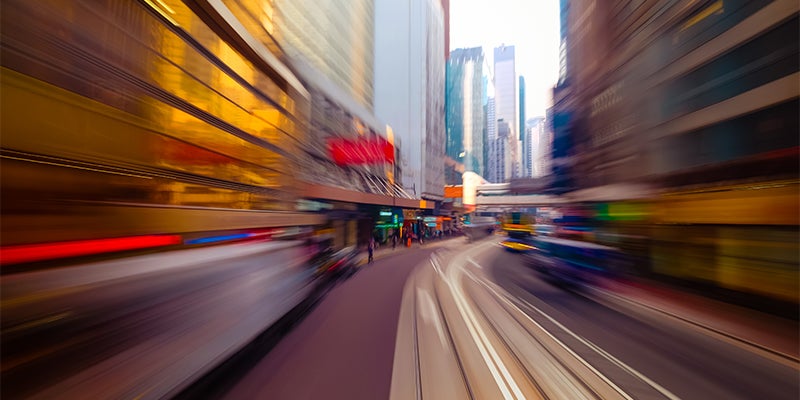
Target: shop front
<point>388,222</point>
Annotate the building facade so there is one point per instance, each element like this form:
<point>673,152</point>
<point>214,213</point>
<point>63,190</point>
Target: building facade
<point>506,107</point>
<point>409,88</point>
<point>692,107</point>
<point>464,113</point>
<point>530,147</point>
<point>654,106</point>
<point>538,148</point>
<point>544,147</point>
<point>499,160</point>
<point>331,50</point>
<point>336,42</point>
<point>525,165</point>
<point>490,151</point>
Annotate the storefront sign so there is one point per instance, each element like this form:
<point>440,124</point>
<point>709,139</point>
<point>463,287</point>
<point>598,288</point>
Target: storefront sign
<point>376,150</point>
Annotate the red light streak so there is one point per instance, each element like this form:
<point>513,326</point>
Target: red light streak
<point>49,251</point>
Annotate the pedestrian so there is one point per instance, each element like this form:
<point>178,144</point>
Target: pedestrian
<point>394,240</point>
<point>371,249</point>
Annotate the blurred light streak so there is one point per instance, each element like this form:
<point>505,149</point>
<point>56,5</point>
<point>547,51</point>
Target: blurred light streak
<point>213,239</point>
<point>49,251</point>
<point>161,11</point>
<point>716,8</point>
<point>33,324</point>
<point>105,171</point>
<point>518,246</point>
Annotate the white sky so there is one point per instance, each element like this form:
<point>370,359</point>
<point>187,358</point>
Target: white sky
<point>531,26</point>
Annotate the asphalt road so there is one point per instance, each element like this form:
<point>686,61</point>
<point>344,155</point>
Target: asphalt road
<point>459,320</point>
<point>686,362</point>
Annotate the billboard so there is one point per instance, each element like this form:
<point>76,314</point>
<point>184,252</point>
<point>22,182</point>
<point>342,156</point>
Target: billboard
<point>361,151</point>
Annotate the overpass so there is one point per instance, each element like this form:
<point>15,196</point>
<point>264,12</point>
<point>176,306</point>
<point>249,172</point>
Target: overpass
<point>525,195</point>
<point>515,194</point>
<point>529,200</point>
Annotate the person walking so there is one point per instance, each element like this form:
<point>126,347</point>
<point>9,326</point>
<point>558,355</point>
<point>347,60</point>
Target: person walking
<point>371,249</point>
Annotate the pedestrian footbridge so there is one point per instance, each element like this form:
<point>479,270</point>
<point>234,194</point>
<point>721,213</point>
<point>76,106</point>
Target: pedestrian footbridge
<point>530,200</point>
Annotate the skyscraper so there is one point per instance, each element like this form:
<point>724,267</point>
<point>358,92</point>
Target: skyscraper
<point>409,88</point>
<point>544,150</point>
<point>464,113</point>
<point>500,145</point>
<point>491,119</point>
<point>521,106</point>
<point>536,147</point>
<point>491,149</point>
<point>529,149</point>
<point>563,6</point>
<point>525,167</point>
<point>505,82</point>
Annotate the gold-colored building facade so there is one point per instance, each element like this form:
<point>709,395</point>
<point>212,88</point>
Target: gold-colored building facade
<point>335,38</point>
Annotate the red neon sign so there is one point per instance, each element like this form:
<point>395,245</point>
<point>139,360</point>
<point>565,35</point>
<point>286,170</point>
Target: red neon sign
<point>361,151</point>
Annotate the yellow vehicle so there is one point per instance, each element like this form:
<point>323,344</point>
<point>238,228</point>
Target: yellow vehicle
<point>518,225</point>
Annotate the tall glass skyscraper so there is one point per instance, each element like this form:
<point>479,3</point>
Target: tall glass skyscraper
<point>505,84</point>
<point>464,113</point>
<point>490,150</point>
<point>525,165</point>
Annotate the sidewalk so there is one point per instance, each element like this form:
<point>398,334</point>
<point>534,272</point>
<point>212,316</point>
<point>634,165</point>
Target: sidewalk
<point>386,250</point>
<point>770,333</point>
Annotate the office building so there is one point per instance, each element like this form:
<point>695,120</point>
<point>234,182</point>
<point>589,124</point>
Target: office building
<point>335,44</point>
<point>409,88</point>
<point>506,98</point>
<point>464,113</point>
<point>332,53</point>
<point>491,135</point>
<point>525,165</point>
<point>500,163</point>
<point>538,147</point>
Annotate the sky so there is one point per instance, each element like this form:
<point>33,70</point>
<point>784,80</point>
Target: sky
<point>531,26</point>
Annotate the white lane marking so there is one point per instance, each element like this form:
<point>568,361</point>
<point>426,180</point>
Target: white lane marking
<point>496,366</point>
<point>587,343</point>
<point>570,351</point>
<point>435,265</point>
<point>430,314</point>
<point>470,259</point>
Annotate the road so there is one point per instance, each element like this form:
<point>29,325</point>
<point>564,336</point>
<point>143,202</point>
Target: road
<point>458,320</point>
<point>677,359</point>
<point>345,347</point>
